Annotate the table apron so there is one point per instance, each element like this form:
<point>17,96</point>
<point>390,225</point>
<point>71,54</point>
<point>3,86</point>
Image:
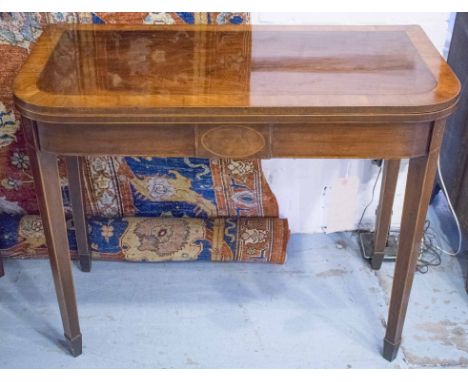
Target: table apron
<point>387,141</point>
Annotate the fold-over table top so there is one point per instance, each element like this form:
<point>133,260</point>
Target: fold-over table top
<point>92,73</point>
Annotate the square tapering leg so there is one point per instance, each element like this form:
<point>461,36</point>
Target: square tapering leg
<point>384,213</point>
<point>76,190</point>
<point>49,195</point>
<point>421,176</point>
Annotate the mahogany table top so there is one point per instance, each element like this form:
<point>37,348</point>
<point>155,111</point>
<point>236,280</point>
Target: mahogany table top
<point>89,73</point>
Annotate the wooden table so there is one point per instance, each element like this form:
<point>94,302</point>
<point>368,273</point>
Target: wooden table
<point>236,91</point>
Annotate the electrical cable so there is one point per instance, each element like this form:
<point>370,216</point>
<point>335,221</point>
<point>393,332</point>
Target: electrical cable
<point>429,256</point>
<point>372,197</point>
<point>452,210</point>
<point>431,246</point>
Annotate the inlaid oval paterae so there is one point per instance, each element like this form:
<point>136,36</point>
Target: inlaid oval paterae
<point>233,141</point>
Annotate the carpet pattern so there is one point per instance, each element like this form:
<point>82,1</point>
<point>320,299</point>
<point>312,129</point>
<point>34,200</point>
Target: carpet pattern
<point>123,192</point>
<point>257,240</point>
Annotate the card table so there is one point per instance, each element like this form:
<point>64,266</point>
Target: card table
<point>380,92</point>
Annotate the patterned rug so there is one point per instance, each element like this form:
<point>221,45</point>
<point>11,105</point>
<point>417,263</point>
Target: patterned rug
<point>179,187</point>
<point>131,201</point>
<point>259,240</point>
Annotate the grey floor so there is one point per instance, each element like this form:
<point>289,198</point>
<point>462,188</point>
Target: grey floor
<point>324,308</point>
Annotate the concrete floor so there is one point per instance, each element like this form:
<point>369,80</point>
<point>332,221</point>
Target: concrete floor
<point>325,308</point>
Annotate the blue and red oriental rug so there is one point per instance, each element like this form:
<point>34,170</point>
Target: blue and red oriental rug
<point>138,208</point>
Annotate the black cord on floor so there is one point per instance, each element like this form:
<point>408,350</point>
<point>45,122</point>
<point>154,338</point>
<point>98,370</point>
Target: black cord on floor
<point>429,254</point>
<point>431,248</point>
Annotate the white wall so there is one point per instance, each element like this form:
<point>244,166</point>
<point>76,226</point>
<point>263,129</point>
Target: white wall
<point>330,195</point>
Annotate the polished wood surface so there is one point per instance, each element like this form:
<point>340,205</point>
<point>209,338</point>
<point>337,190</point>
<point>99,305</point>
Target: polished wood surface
<point>240,141</point>
<point>84,73</point>
<point>237,92</point>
